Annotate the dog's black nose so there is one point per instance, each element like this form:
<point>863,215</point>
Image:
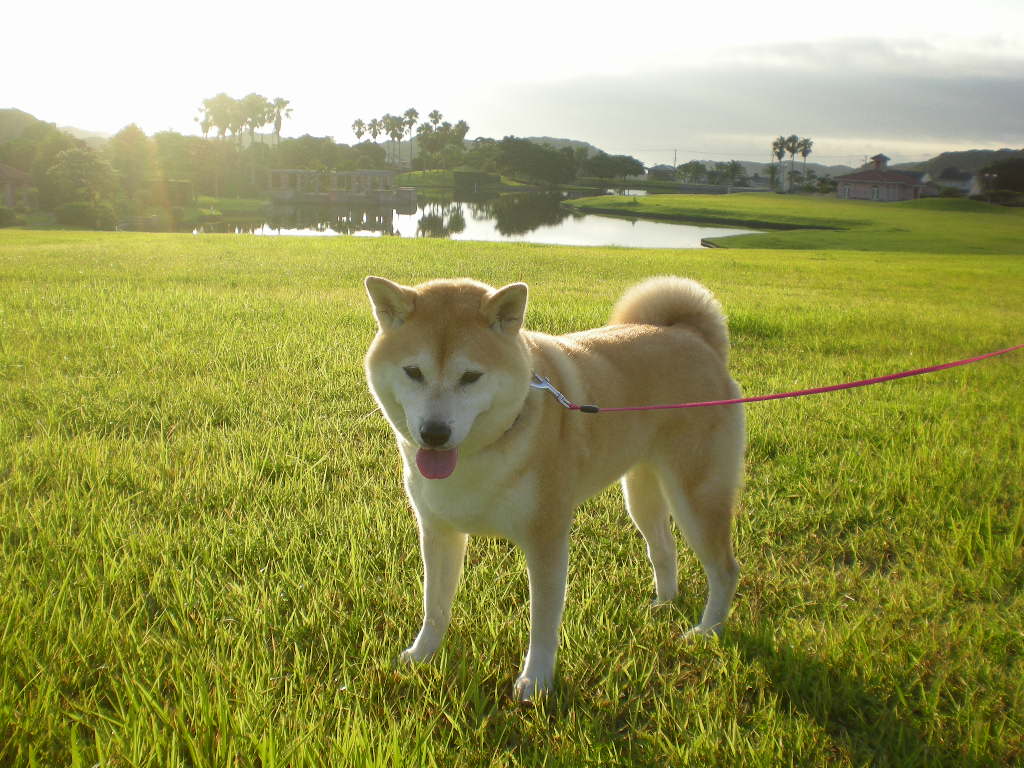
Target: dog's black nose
<point>435,434</point>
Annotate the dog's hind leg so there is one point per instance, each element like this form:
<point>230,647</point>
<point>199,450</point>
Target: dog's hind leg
<point>646,505</point>
<point>705,516</point>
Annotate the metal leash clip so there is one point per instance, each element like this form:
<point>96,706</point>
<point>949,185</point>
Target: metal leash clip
<point>540,382</point>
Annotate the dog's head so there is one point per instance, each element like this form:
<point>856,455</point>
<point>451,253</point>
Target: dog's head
<point>448,367</point>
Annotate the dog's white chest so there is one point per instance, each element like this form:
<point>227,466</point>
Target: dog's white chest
<point>476,501</point>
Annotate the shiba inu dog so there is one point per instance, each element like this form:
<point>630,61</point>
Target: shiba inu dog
<point>485,454</point>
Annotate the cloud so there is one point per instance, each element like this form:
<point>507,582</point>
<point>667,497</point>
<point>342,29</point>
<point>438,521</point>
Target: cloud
<point>850,93</point>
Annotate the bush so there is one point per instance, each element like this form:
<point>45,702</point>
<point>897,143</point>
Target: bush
<point>998,196</point>
<point>82,214</point>
<point>105,216</point>
<point>8,218</point>
<point>76,215</point>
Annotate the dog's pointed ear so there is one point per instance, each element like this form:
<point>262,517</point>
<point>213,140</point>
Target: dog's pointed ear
<point>505,308</point>
<point>392,303</point>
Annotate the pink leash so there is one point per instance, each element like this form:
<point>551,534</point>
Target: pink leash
<point>541,383</point>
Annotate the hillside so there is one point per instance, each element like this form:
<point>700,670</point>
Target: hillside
<point>14,122</point>
<point>970,161</point>
<point>819,168</point>
<point>560,143</point>
<point>94,139</point>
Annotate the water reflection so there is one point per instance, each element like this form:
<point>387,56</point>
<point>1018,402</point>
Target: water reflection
<point>537,217</point>
<point>441,220</point>
<point>309,219</point>
<point>510,214</point>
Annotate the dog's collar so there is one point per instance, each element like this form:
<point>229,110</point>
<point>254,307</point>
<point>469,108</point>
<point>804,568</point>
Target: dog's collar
<point>541,382</point>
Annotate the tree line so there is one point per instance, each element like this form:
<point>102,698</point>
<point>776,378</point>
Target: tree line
<point>120,178</point>
<point>731,173</point>
<point>132,172</point>
<point>100,183</point>
<point>438,140</point>
<point>250,113</point>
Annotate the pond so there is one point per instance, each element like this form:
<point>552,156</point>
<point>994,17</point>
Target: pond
<point>530,217</point>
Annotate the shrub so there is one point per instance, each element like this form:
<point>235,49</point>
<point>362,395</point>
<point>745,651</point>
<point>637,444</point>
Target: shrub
<point>83,214</point>
<point>106,218</point>
<point>998,196</point>
<point>8,218</point>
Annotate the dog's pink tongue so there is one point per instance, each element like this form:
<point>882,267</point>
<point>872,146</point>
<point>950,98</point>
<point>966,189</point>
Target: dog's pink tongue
<point>436,465</point>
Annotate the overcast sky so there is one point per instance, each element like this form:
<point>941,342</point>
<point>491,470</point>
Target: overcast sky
<point>658,80</point>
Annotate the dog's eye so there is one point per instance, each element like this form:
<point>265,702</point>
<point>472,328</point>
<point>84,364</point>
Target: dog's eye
<point>470,376</point>
<point>413,372</point>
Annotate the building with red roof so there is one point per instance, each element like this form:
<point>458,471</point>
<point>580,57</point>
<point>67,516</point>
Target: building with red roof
<point>879,183</point>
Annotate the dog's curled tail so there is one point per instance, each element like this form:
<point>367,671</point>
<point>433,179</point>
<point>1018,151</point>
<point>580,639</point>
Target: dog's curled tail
<point>676,301</point>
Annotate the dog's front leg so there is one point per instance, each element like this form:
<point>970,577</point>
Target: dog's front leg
<point>444,550</point>
<point>547,561</point>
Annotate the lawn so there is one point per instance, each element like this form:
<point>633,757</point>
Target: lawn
<point>925,226</point>
<point>231,206</point>
<point>440,179</point>
<point>208,558</point>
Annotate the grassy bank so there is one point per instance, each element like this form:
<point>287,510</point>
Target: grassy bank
<point>208,558</point>
<point>441,179</point>
<point>926,226</point>
<point>234,206</point>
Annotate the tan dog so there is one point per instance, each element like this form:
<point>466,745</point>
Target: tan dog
<point>485,454</point>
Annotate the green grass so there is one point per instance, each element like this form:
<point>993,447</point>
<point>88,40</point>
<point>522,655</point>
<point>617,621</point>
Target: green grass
<point>438,179</point>
<point>442,179</point>
<point>208,558</point>
<point>233,206</point>
<point>925,226</point>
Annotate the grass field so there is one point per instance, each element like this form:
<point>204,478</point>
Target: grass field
<point>207,557</point>
<point>440,179</point>
<point>924,226</point>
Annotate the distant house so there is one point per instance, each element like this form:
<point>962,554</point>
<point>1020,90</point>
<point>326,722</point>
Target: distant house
<point>13,185</point>
<point>661,173</point>
<point>879,183</point>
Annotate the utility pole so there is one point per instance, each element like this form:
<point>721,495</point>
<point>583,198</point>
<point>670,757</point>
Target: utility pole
<point>675,158</point>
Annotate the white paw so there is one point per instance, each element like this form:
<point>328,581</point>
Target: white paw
<point>529,688</point>
<point>665,598</point>
<point>714,632</point>
<point>413,656</point>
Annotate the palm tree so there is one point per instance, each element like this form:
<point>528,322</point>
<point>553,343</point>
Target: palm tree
<point>236,120</point>
<point>735,172</point>
<point>279,109</point>
<point>792,145</point>
<point>779,151</point>
<point>255,113</point>
<point>220,111</point>
<point>359,129</point>
<point>205,123</point>
<point>435,118</point>
<point>459,131</point>
<point>426,139</point>
<point>409,123</point>
<point>805,150</point>
<point>394,127</point>
<point>374,128</point>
